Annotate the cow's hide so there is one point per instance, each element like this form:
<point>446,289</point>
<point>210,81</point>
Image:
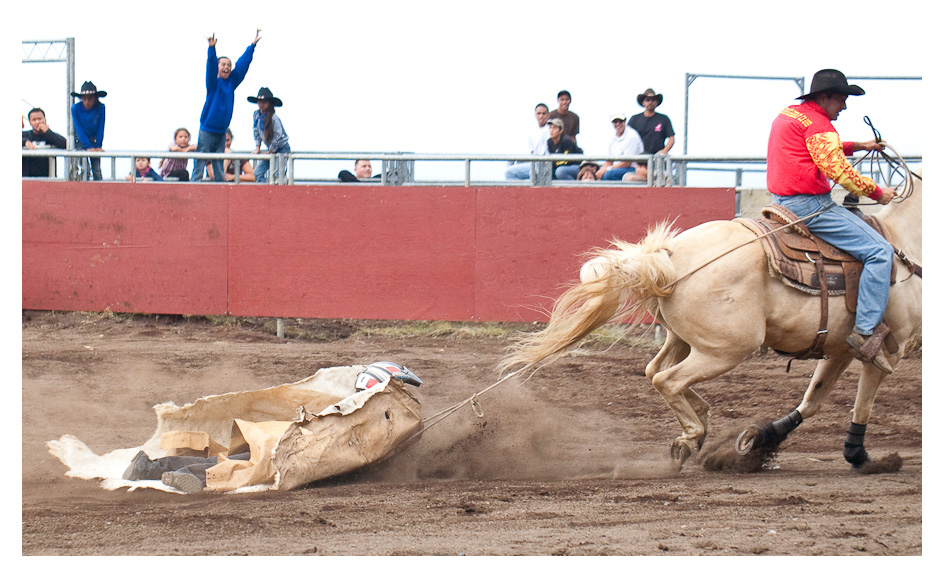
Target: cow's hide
<point>290,443</point>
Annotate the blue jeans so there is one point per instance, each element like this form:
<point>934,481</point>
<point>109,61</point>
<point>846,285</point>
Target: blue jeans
<point>91,168</point>
<point>209,142</point>
<point>520,171</point>
<point>845,230</point>
<point>617,173</point>
<point>567,171</point>
<point>282,163</point>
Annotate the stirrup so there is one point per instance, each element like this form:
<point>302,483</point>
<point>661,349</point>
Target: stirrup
<point>870,348</point>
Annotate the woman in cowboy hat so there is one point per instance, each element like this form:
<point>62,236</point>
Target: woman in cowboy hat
<point>88,117</point>
<point>267,127</point>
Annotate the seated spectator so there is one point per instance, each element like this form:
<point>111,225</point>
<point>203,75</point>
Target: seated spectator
<point>229,167</point>
<point>177,167</point>
<point>39,137</point>
<point>588,170</point>
<point>560,143</point>
<point>537,144</point>
<point>362,171</point>
<point>626,142</point>
<point>143,170</point>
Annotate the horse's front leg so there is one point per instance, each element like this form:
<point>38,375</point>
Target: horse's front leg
<point>822,382</point>
<point>853,449</point>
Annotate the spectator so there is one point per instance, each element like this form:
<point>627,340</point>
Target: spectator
<point>654,128</point>
<point>88,118</point>
<point>222,81</point>
<point>143,170</point>
<point>572,123</point>
<point>229,166</point>
<point>267,127</point>
<point>362,171</point>
<point>588,170</point>
<point>626,142</point>
<point>537,144</point>
<point>560,143</point>
<point>39,137</point>
<point>177,167</point>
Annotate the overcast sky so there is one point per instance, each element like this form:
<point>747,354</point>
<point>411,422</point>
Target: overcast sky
<point>453,77</point>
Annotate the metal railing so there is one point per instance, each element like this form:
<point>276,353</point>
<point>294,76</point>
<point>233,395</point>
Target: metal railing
<point>398,169</point>
<point>681,166</point>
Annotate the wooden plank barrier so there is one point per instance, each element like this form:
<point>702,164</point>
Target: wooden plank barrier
<point>332,251</point>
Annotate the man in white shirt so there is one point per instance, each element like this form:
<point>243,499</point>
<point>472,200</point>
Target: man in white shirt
<point>626,142</point>
<point>537,144</point>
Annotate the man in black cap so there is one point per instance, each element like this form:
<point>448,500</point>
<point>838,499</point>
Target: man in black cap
<point>804,150</point>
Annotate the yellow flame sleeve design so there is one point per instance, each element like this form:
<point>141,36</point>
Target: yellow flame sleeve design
<point>827,152</point>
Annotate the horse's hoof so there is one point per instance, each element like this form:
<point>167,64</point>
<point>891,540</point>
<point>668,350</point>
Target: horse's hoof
<point>680,452</point>
<point>748,440</point>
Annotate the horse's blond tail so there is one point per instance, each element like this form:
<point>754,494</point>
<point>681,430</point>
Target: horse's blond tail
<point>620,283</point>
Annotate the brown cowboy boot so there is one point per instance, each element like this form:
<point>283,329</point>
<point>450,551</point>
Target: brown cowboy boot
<point>870,348</point>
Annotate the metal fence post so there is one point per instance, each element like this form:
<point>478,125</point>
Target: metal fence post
<point>542,173</point>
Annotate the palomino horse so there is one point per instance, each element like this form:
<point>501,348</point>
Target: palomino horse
<point>717,312</point>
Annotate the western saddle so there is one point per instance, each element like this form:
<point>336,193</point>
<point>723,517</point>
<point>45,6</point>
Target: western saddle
<point>807,263</point>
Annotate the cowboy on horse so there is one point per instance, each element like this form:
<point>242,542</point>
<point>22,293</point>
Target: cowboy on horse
<point>804,150</point>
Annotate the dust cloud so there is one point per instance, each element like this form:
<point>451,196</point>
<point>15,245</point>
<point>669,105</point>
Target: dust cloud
<point>520,437</point>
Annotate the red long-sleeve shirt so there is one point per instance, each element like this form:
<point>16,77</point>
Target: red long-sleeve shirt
<point>804,150</point>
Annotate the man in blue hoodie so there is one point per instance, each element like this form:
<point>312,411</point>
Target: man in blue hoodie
<point>88,118</point>
<point>222,81</point>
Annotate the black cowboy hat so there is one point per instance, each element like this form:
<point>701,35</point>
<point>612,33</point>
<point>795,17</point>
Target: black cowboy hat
<point>265,95</point>
<point>833,81</point>
<point>649,93</point>
<point>89,88</point>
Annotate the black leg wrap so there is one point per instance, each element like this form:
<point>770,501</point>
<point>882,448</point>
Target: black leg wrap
<point>778,429</point>
<point>853,450</point>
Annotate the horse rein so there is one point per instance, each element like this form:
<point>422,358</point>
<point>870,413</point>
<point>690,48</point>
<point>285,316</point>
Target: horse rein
<point>754,239</point>
<point>913,267</point>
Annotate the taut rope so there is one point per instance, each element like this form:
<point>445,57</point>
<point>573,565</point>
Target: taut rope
<point>477,408</point>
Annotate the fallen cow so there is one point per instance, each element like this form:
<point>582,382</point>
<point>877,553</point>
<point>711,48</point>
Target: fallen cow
<point>266,439</point>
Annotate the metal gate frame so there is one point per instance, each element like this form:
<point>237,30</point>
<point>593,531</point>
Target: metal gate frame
<point>57,51</point>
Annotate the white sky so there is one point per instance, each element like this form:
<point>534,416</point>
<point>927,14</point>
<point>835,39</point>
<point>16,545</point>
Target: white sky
<point>464,77</point>
<point>437,77</point>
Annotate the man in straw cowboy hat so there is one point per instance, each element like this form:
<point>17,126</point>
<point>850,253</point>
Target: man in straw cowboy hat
<point>655,129</point>
<point>88,118</point>
<point>804,150</point>
<point>222,80</point>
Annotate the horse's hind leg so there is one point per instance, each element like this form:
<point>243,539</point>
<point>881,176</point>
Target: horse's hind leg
<point>674,384</point>
<point>674,351</point>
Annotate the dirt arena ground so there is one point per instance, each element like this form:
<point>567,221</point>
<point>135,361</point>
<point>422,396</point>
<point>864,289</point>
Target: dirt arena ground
<point>573,462</point>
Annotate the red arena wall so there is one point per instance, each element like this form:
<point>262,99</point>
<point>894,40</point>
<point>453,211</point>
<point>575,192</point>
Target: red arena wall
<point>336,251</point>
